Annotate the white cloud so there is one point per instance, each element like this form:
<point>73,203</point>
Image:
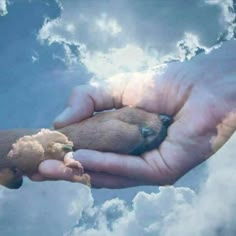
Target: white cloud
<point>49,31</point>
<point>38,208</point>
<point>34,57</point>
<point>84,203</point>
<point>3,7</point>
<point>150,214</point>
<point>117,60</point>
<point>189,46</point>
<point>108,25</point>
<point>121,37</point>
<point>70,28</point>
<point>173,211</point>
<point>228,18</point>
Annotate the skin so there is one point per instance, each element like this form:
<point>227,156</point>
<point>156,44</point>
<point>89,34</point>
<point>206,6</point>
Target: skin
<point>201,96</point>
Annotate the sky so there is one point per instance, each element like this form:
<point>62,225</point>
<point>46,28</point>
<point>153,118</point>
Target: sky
<point>47,48</point>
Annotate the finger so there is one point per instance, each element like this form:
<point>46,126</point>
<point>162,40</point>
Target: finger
<point>83,102</point>
<point>151,170</point>
<point>56,170</point>
<point>103,180</point>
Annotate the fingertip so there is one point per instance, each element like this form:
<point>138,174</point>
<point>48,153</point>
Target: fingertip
<point>73,114</point>
<point>64,118</point>
<point>56,170</point>
<point>51,168</point>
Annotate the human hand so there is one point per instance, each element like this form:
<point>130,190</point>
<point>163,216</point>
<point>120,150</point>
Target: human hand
<point>201,96</point>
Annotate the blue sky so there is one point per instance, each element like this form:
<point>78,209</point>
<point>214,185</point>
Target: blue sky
<point>39,57</point>
<point>47,48</point>
<point>31,88</point>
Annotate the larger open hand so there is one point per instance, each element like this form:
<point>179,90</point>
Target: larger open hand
<point>201,96</point>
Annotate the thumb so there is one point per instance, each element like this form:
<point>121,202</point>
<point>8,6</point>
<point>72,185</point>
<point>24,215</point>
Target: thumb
<point>71,115</point>
<point>79,107</point>
<point>85,100</point>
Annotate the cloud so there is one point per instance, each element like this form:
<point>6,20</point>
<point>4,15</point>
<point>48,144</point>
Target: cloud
<point>228,14</point>
<point>117,60</point>
<point>150,214</point>
<point>41,207</point>
<point>172,211</point>
<point>127,36</point>
<point>35,57</point>
<point>108,25</point>
<point>3,7</point>
<point>228,18</point>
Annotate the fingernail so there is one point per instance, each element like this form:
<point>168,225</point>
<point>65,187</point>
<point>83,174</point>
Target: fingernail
<point>64,115</point>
